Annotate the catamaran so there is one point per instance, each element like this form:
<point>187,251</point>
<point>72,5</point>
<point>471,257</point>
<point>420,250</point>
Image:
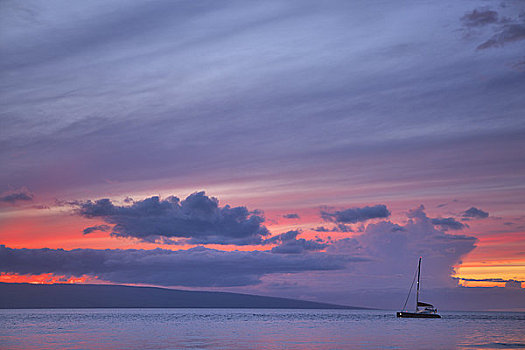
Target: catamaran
<point>423,310</point>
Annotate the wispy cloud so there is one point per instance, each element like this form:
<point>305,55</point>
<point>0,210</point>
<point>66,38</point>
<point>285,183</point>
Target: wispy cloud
<point>55,58</point>
<point>508,33</point>
<point>507,29</point>
<point>480,17</point>
<point>16,195</point>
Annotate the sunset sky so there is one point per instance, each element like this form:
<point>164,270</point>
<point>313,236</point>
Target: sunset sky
<point>302,149</point>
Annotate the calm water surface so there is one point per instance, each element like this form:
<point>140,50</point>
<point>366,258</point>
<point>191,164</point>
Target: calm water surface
<point>255,329</point>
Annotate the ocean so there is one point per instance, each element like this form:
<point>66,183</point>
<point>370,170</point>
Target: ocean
<point>255,329</point>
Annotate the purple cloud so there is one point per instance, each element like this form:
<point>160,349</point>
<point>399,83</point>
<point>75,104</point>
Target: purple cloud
<point>290,244</point>
<point>509,33</point>
<point>354,215</point>
<point>13,196</point>
<point>474,212</point>
<point>198,219</point>
<point>103,228</point>
<point>291,216</point>
<point>337,228</point>
<point>448,224</point>
<point>508,29</point>
<point>478,18</point>
<point>394,249</point>
<point>391,252</point>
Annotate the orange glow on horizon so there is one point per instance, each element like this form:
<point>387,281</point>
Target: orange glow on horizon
<point>504,270</point>
<point>498,255</point>
<point>46,278</point>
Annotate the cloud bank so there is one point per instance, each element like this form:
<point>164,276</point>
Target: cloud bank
<point>386,249</point>
<point>383,254</point>
<point>197,267</point>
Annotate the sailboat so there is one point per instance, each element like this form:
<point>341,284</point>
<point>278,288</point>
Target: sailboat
<point>423,310</point>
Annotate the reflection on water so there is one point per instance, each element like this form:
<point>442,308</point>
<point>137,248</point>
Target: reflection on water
<point>252,328</point>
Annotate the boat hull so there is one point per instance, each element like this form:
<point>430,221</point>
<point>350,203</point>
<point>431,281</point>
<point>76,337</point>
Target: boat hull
<point>416,315</point>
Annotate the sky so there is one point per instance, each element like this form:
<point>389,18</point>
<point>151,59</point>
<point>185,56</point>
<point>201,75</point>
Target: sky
<point>301,149</point>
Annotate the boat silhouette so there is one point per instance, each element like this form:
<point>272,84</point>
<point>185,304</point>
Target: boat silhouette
<point>423,310</point>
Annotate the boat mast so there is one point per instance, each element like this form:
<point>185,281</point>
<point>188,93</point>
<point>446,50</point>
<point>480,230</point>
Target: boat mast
<point>418,273</point>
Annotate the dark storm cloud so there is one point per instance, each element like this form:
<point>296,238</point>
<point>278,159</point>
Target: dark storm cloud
<point>448,223</point>
<point>479,18</point>
<point>13,196</point>
<point>474,212</point>
<point>198,219</point>
<point>288,243</point>
<point>103,228</point>
<point>354,215</point>
<point>291,216</point>
<point>194,267</point>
